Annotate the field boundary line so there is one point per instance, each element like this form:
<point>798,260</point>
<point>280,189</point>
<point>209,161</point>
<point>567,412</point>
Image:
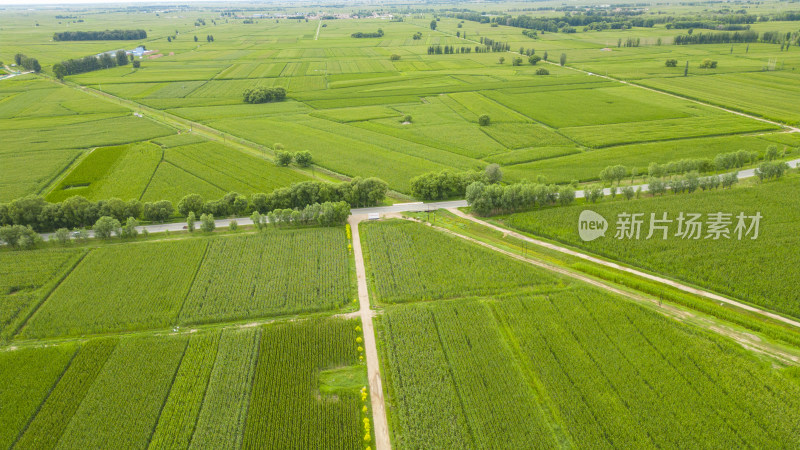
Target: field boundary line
<point>689,99</point>
<point>51,184</point>
<point>46,397</point>
<point>153,175</point>
<point>452,377</point>
<point>50,293</point>
<point>205,391</point>
<point>169,391</point>
<point>668,282</point>
<point>379,420</point>
<point>557,425</point>
<point>745,339</point>
<point>194,279</point>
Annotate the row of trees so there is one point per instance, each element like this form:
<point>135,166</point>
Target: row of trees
<point>716,38</point>
<point>361,34</point>
<point>490,199</point>
<point>27,63</point>
<point>92,63</point>
<point>722,161</point>
<point>323,214</point>
<point>264,94</point>
<point>448,184</point>
<point>107,35</point>
<point>78,212</point>
<point>284,159</point>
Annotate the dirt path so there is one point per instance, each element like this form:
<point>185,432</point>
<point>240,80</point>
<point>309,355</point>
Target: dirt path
<point>747,340</point>
<point>373,365</point>
<point>648,276</point>
<point>790,128</point>
<point>319,26</point>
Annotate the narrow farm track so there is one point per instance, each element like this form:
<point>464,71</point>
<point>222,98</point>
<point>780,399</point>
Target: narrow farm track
<point>747,340</point>
<point>790,128</point>
<point>371,349</point>
<point>319,26</point>
<point>671,283</point>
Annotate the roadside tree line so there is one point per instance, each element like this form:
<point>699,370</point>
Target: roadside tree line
<point>78,212</point>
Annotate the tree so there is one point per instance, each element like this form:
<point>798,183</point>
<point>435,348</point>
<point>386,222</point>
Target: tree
<point>169,38</point>
<point>484,120</point>
<point>566,195</point>
<point>158,211</point>
<point>191,203</point>
<point>106,226</point>
<point>122,58</point>
<point>282,158</point>
<point>686,69</point>
<point>256,219</point>
<point>501,60</point>
<point>137,64</point>
<point>233,225</point>
<point>542,71</point>
<point>195,39</point>
<point>190,219</point>
<point>516,61</point>
<point>129,230</point>
<point>534,59</point>
<point>594,193</point>
<point>303,159</point>
<point>628,192</point>
<point>433,24</point>
<point>210,38</point>
<point>672,63</point>
<point>708,64</point>
<point>563,59</point>
<point>207,224</point>
<point>19,236</point>
<point>493,174</point>
<point>545,56</point>
<point>395,57</point>
<point>59,71</point>
<point>62,236</point>
<point>406,118</point>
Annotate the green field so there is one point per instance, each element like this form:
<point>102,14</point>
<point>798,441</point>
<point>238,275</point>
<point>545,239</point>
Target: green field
<point>574,368</point>
<point>458,335</point>
<point>215,388</point>
<point>347,98</point>
<point>204,283</point>
<point>730,266</point>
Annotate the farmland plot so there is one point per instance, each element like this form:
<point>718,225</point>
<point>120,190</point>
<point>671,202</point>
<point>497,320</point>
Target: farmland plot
<point>408,261</point>
<point>730,266</point>
<point>107,291</point>
<point>246,276</point>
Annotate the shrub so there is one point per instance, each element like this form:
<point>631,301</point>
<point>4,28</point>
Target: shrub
<point>672,63</point>
<point>542,71</point>
<point>484,120</point>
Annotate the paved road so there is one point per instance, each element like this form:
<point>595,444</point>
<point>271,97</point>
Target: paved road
<point>373,365</point>
<point>399,207</point>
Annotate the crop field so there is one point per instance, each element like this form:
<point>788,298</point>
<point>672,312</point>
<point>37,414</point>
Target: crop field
<point>731,266</point>
<point>220,388</point>
<point>477,365</point>
<point>347,99</point>
<point>455,335</point>
<point>207,280</point>
<point>408,261</point>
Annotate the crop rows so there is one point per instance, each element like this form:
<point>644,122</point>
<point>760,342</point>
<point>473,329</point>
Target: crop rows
<point>176,422</point>
<point>290,358</point>
<point>26,378</point>
<point>108,289</point>
<point>51,420</point>
<point>408,261</point>
<point>221,421</point>
<point>122,406</point>
<point>577,367</point>
<point>633,371</point>
<point>731,266</point>
<point>249,276</point>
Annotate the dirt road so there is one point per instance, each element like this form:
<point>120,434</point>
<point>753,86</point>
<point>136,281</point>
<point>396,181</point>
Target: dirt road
<point>373,365</point>
<point>639,273</point>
